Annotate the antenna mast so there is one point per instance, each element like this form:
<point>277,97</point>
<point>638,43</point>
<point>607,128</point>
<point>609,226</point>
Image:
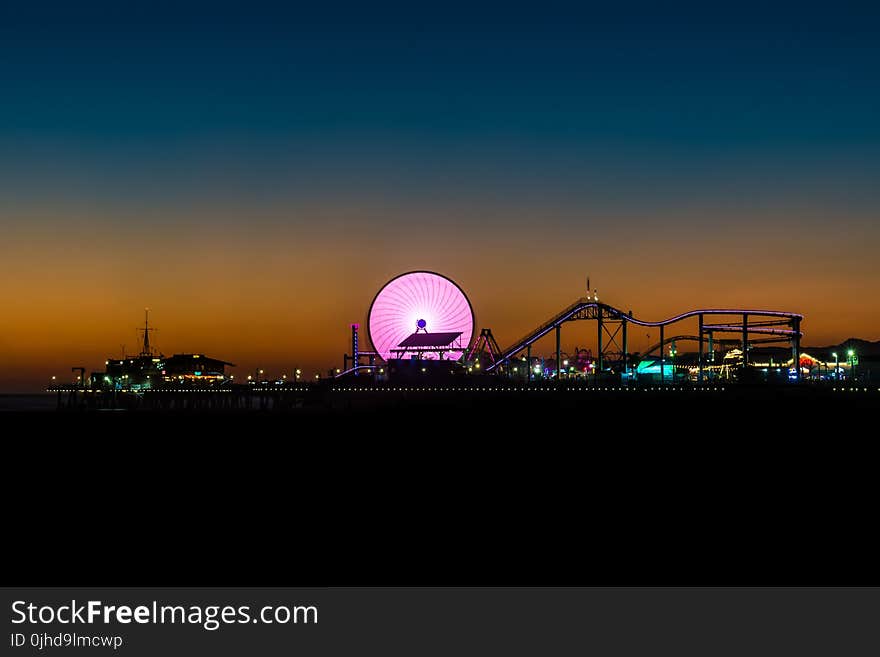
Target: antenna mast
<point>147,350</point>
<point>591,292</point>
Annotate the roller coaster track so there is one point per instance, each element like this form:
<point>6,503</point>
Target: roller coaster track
<point>585,306</point>
<point>696,338</point>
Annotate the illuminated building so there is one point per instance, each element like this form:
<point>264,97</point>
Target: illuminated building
<point>150,370</point>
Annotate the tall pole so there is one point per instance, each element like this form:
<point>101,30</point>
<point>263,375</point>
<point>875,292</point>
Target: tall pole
<point>623,328</point>
<point>662,358</point>
<point>146,331</point>
<point>796,325</point>
<point>600,360</point>
<point>146,350</point>
<point>745,341</point>
<point>711,348</point>
<point>528,363</point>
<point>355,358</point>
<point>558,337</point>
<point>700,352</point>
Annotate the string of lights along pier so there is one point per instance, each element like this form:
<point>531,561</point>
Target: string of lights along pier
<point>423,339</point>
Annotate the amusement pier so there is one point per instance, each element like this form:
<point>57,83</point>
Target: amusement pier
<point>424,348</point>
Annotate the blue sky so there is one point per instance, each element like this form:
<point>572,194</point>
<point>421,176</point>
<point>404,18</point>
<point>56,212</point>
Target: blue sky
<point>412,95</point>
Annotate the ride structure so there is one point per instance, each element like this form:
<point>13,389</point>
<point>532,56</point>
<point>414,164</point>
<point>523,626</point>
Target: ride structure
<point>612,323</point>
<point>421,315</point>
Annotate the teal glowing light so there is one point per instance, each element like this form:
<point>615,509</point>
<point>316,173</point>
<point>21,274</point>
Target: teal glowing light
<point>653,367</point>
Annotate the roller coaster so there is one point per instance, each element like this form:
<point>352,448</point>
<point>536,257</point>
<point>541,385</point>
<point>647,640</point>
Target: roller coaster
<point>773,326</point>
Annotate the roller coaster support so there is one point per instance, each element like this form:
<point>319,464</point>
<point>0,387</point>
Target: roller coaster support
<point>662,357</point>
<point>528,364</point>
<point>700,352</point>
<point>745,341</point>
<point>711,349</point>
<point>558,334</point>
<point>796,347</point>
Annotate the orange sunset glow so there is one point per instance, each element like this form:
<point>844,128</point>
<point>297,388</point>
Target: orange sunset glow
<point>283,297</point>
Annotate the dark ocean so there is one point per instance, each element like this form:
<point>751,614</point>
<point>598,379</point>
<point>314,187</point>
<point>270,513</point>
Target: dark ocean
<point>44,401</point>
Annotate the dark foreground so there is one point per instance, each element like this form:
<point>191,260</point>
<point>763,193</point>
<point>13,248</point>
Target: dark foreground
<point>741,486</point>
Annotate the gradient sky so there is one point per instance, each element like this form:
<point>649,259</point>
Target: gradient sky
<point>254,174</point>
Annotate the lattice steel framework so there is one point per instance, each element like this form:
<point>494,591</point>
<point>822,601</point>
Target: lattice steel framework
<point>612,323</point>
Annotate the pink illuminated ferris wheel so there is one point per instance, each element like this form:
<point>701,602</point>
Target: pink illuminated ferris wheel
<point>422,313</point>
